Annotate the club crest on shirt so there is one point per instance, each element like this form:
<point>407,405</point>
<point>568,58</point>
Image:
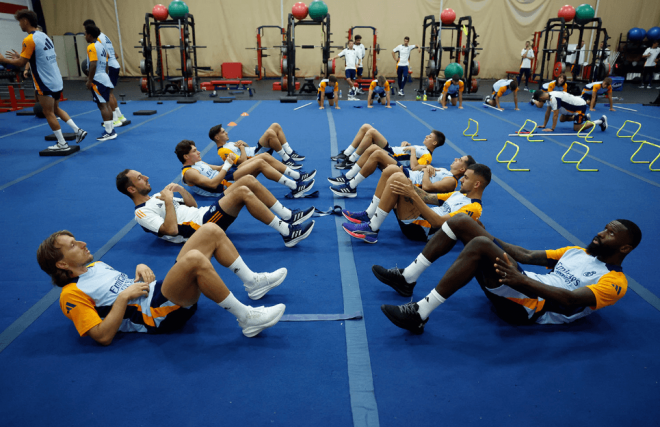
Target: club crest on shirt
<point>589,273</point>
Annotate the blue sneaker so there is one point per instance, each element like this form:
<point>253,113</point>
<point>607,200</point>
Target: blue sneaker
<point>355,217</point>
<point>292,164</point>
<point>344,190</point>
<point>344,165</point>
<point>106,136</point>
<point>361,231</point>
<point>296,156</point>
<point>301,189</point>
<point>306,176</point>
<point>338,180</point>
<point>298,216</point>
<point>297,233</point>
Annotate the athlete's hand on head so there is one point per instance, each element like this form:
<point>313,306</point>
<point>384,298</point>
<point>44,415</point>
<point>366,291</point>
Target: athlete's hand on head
<point>144,274</point>
<point>136,290</point>
<point>509,274</point>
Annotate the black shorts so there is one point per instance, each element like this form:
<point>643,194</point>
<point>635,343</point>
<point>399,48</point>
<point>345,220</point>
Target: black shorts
<point>330,95</point>
<point>216,215</point>
<point>55,95</point>
<point>113,73</point>
<point>174,320</point>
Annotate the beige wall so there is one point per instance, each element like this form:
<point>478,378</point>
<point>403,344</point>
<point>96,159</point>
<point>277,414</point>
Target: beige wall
<point>229,27</point>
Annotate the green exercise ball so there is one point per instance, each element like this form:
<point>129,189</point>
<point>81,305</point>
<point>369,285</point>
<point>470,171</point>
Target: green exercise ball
<point>178,9</point>
<point>318,10</point>
<point>584,13</point>
<point>453,68</point>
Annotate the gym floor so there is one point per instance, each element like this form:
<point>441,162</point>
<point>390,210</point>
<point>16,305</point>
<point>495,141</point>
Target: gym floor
<point>469,367</point>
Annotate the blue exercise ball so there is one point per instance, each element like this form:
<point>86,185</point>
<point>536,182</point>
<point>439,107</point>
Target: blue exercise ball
<point>636,34</point>
<point>653,34</point>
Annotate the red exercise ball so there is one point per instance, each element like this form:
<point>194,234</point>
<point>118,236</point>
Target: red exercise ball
<point>160,12</point>
<point>299,11</point>
<point>567,12</point>
<point>448,16</point>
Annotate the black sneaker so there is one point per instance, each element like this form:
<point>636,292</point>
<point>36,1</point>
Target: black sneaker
<point>393,278</point>
<point>339,157</point>
<point>297,233</point>
<point>347,164</point>
<point>405,316</point>
<point>603,123</point>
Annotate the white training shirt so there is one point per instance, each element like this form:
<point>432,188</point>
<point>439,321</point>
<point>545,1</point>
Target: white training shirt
<point>151,215</point>
<point>404,54</point>
<point>361,51</point>
<point>440,174</point>
<point>96,52</point>
<point>40,51</point>
<point>565,102</point>
<point>650,61</point>
<point>456,201</point>
<point>207,171</point>
<point>107,44</point>
<point>351,57</point>
<point>527,59</point>
<point>231,146</point>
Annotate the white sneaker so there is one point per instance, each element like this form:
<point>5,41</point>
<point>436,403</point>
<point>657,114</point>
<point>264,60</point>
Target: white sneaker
<point>80,135</point>
<point>261,318</point>
<point>641,87</point>
<point>123,119</point>
<point>649,87</point>
<point>264,282</point>
<point>59,147</point>
<point>117,123</point>
<point>400,93</point>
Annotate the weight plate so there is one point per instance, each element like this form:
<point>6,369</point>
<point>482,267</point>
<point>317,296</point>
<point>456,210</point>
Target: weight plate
<point>143,66</point>
<point>143,85</point>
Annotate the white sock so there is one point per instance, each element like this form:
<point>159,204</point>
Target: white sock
<point>280,210</point>
<point>371,210</point>
<point>108,126</point>
<point>349,150</point>
<point>72,125</point>
<point>378,219</point>
<point>280,226</point>
<point>355,181</point>
<point>288,182</point>
<point>239,268</point>
<point>291,173</point>
<point>353,157</point>
<point>234,306</point>
<point>115,116</point>
<point>416,268</point>
<point>118,111</point>
<point>287,148</point>
<point>429,303</point>
<point>597,122</point>
<point>60,137</point>
<point>282,153</point>
<point>353,171</point>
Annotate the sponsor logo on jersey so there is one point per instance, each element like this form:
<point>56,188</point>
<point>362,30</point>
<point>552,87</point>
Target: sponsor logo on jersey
<point>565,274</point>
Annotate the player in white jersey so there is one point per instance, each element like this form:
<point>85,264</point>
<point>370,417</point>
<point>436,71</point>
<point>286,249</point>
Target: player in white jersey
<point>582,280</point>
<point>417,220</point>
<point>176,219</point>
<point>273,139</point>
<point>98,81</point>
<point>39,51</point>
<point>102,301</point>
<point>211,181</point>
<point>351,57</point>
<point>566,107</point>
<point>527,54</point>
<point>414,157</point>
<point>502,88</point>
<point>118,118</point>
<point>402,63</point>
<point>361,51</point>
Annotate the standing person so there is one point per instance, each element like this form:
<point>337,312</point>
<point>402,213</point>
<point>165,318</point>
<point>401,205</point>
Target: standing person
<point>402,62</point>
<point>39,50</point>
<point>118,118</point>
<point>651,55</point>
<point>361,51</point>
<point>98,81</point>
<point>527,55</point>
<point>350,55</point>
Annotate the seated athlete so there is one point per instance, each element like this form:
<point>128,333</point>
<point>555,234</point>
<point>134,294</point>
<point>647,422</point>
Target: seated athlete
<point>581,282</point>
<point>101,301</point>
<point>366,136</point>
<point>211,181</point>
<point>417,220</point>
<point>176,219</point>
<point>592,90</point>
<point>571,108</point>
<point>414,157</point>
<point>452,90</point>
<point>272,140</point>
<point>502,88</point>
<point>379,91</point>
<point>328,89</point>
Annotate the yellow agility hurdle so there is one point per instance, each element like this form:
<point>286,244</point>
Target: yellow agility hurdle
<point>475,133</point>
<point>641,161</point>
<point>529,135</point>
<point>632,138</point>
<point>577,166</point>
<point>512,160</point>
<point>588,135</point>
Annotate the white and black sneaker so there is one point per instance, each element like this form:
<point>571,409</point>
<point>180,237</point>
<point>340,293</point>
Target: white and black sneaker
<point>106,136</point>
<point>347,164</point>
<point>339,157</point>
<point>298,216</point>
<point>344,190</point>
<point>59,147</point>
<point>80,135</point>
<point>302,188</point>
<point>603,123</point>
<point>487,100</point>
<point>264,282</point>
<point>260,318</point>
<point>401,93</point>
<point>339,180</point>
<point>306,176</point>
<point>298,233</point>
